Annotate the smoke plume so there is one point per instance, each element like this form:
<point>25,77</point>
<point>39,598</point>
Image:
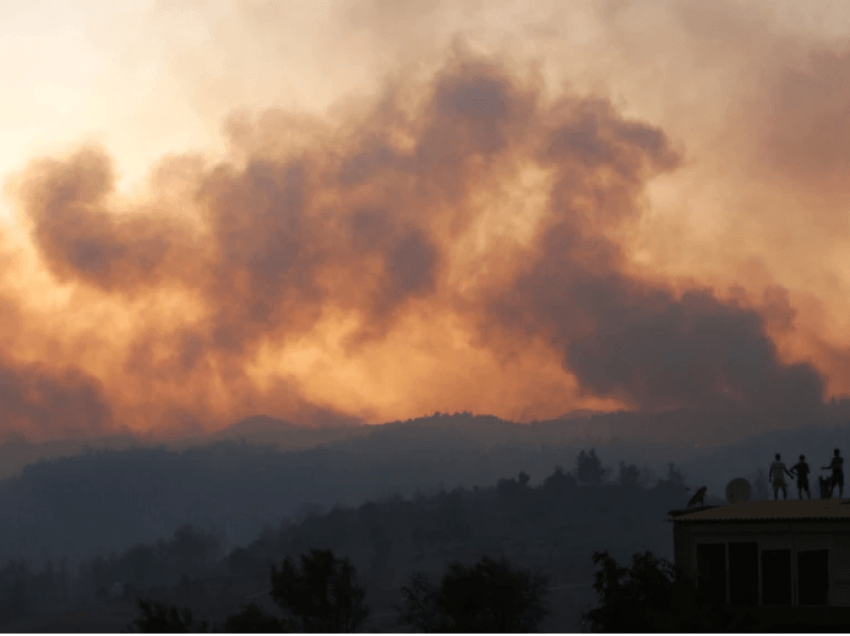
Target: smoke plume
<point>472,236</point>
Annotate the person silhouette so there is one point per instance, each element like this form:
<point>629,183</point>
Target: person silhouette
<point>776,474</point>
<point>801,470</point>
<point>837,467</point>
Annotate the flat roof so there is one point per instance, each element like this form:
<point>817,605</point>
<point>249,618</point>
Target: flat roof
<point>785,510</point>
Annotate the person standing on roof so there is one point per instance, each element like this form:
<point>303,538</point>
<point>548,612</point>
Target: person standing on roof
<point>801,469</point>
<point>776,474</point>
<point>837,466</point>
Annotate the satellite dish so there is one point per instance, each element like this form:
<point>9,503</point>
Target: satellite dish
<point>738,490</point>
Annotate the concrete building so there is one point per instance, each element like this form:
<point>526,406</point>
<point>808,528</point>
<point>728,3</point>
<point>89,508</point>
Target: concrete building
<point>768,553</point>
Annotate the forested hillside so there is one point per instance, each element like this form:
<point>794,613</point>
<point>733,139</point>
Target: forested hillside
<point>107,500</point>
<point>553,527</point>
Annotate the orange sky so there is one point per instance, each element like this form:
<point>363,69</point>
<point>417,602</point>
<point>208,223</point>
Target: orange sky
<point>377,210</point>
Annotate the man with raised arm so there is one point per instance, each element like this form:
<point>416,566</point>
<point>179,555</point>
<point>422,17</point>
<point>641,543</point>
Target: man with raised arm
<point>837,466</point>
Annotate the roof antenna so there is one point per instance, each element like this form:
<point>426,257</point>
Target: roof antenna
<point>698,498</point>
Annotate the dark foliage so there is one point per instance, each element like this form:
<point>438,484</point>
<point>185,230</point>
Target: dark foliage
<point>559,483</point>
<point>629,476</point>
<point>321,594</point>
<point>104,502</point>
<point>421,608</point>
<point>489,596</point>
<point>162,618</point>
<point>253,620</point>
<point>552,528</point>
<point>674,477</point>
<point>189,552</point>
<point>651,595</point>
<point>589,468</point>
<point>508,487</point>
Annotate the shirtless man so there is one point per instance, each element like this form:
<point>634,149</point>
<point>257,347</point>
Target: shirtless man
<point>801,469</point>
<point>837,466</point>
<point>776,474</point>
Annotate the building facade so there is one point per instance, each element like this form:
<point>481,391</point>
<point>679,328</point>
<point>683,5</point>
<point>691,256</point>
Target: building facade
<point>768,553</point>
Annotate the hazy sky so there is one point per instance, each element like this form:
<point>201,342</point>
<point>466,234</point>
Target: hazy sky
<point>337,211</point>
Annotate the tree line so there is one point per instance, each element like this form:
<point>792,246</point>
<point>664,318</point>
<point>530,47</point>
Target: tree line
<point>551,529</point>
<point>321,593</point>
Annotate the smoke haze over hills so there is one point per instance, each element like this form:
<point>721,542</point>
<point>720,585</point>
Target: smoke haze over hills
<point>378,210</point>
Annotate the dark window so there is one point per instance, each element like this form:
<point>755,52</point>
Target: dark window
<point>711,571</point>
<point>744,573</point>
<point>776,577</point>
<point>813,577</point>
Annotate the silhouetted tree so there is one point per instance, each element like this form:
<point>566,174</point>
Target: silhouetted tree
<point>253,620</point>
<point>559,482</point>
<point>322,594</point>
<point>453,515</point>
<point>629,475</point>
<point>15,589</point>
<point>191,551</point>
<point>674,477</point>
<point>62,581</point>
<point>162,618</point>
<point>651,595</point>
<point>506,487</point>
<point>589,468</point>
<point>489,596</point>
<point>139,565</point>
<point>422,608</point>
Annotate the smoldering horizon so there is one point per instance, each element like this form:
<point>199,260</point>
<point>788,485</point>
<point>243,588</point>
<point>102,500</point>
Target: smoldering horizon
<point>471,237</point>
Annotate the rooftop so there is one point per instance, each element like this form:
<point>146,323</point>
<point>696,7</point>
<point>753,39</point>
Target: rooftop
<point>786,510</point>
